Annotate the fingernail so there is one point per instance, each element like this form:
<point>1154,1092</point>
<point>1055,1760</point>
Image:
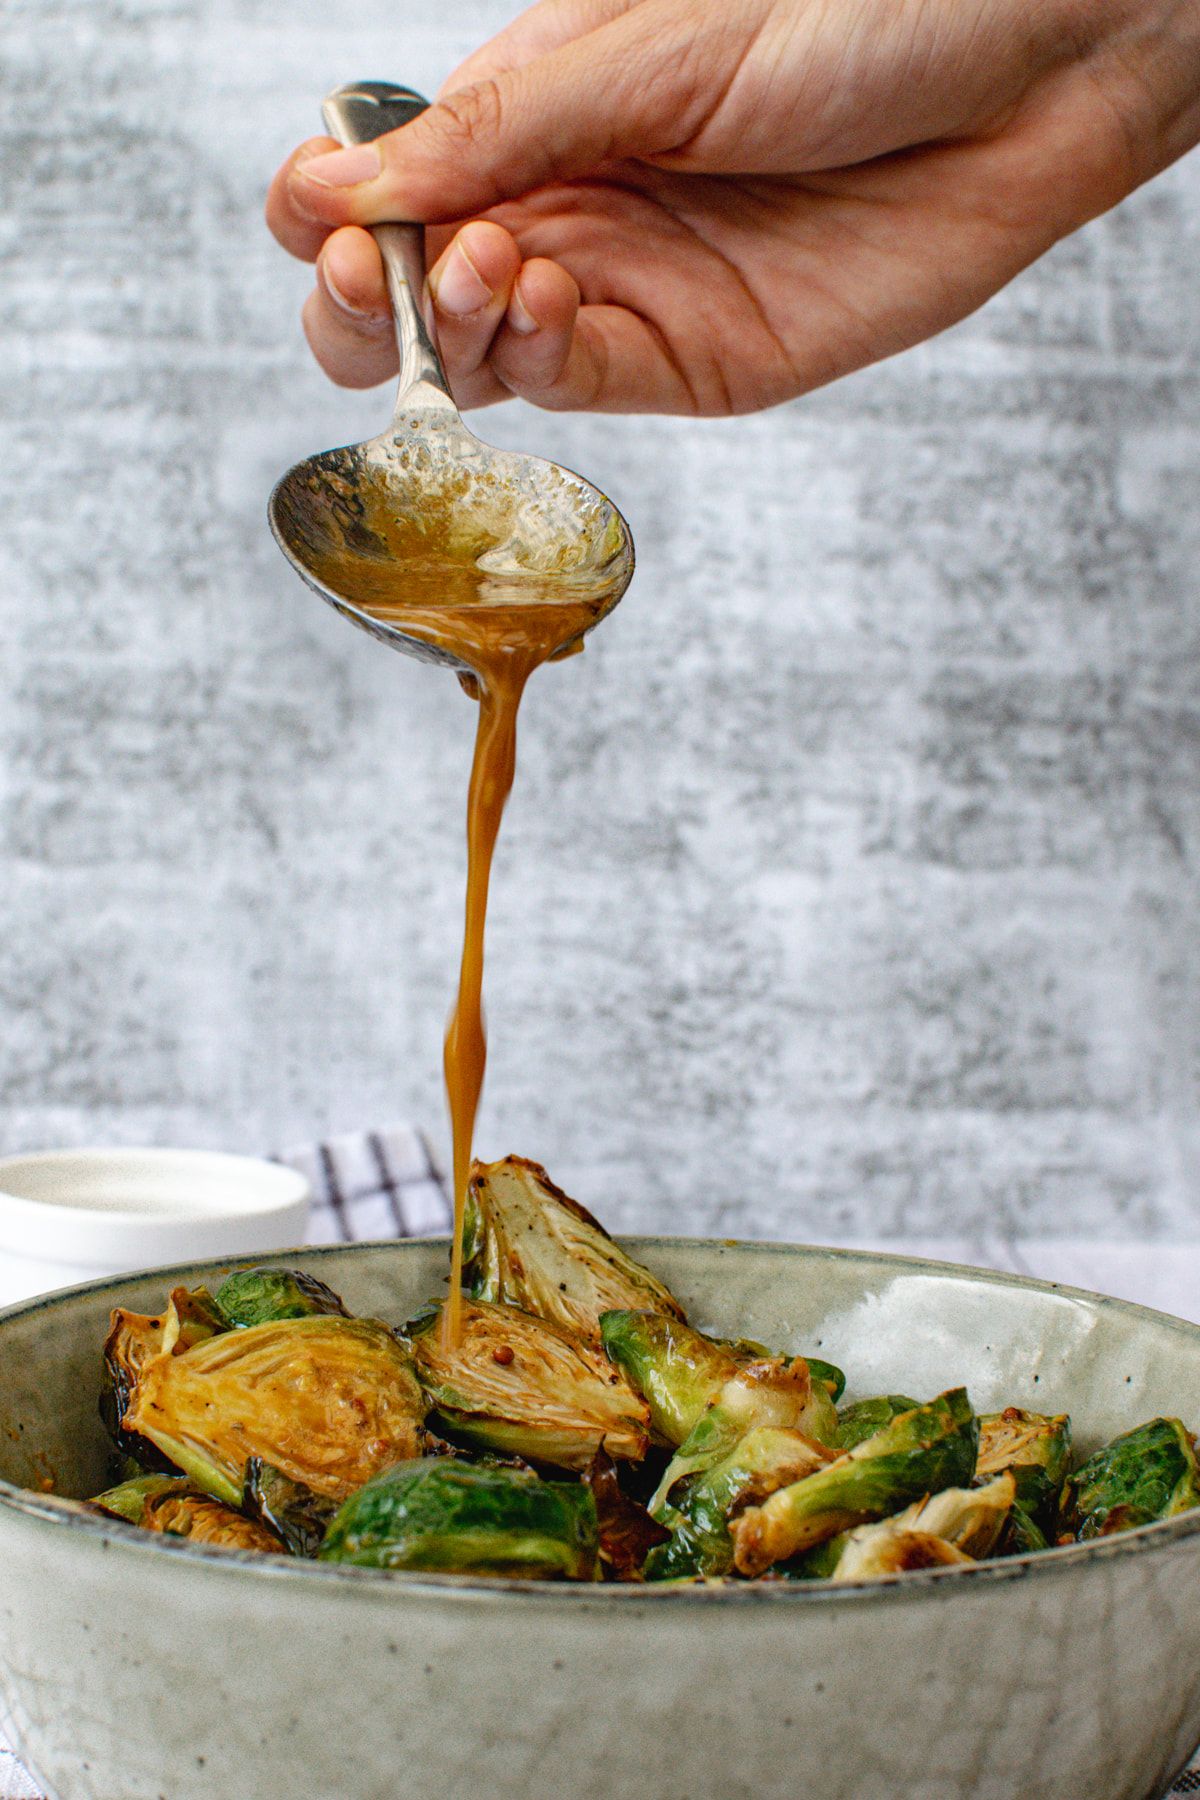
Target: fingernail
<point>342,168</point>
<point>519,315</point>
<point>359,314</point>
<point>459,288</point>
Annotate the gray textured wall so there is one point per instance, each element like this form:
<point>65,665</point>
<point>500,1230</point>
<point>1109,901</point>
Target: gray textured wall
<point>850,881</point>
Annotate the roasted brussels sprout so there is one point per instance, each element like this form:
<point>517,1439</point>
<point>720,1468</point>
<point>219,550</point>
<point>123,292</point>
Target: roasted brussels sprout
<point>917,1453</point>
<point>208,1521</point>
<point>467,1519</point>
<point>1037,1449</point>
<point>698,1509</point>
<point>862,1420</point>
<point>291,1510</point>
<point>173,1505</point>
<point>955,1525</point>
<point>128,1499</point>
<point>704,1395</point>
<point>519,1384</point>
<point>1146,1474</point>
<point>528,1244</point>
<point>329,1401</point>
<point>262,1296</point>
<point>887,1549</point>
<point>133,1340</point>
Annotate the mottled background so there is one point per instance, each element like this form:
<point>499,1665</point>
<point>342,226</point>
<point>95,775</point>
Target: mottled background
<point>850,884</point>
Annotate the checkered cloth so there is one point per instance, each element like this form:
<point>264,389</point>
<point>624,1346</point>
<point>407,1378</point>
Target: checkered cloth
<point>374,1184</point>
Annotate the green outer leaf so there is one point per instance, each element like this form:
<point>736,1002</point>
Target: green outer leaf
<point>1146,1474</point>
<point>864,1418</point>
<point>676,1370</point>
<point>262,1296</point>
<point>828,1375</point>
<point>439,1513</point>
<point>128,1500</point>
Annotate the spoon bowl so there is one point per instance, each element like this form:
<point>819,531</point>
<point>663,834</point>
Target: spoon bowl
<point>424,518</point>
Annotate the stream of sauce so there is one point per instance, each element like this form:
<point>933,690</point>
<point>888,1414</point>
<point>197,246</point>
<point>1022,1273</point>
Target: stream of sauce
<point>501,630</point>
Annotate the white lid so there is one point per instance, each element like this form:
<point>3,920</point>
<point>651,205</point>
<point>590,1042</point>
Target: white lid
<point>129,1209</point>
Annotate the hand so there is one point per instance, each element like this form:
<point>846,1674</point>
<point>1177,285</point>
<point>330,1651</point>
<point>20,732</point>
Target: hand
<point>710,206</point>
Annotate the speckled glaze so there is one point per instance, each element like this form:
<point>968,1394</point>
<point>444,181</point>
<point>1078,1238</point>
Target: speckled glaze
<point>133,1668</point>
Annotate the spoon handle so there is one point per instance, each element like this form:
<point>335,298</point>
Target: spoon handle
<point>356,114</point>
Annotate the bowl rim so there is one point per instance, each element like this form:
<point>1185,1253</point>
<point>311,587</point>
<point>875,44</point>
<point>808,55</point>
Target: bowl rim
<point>63,1513</point>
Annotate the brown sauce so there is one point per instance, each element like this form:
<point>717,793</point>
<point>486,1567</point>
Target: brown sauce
<point>502,630</point>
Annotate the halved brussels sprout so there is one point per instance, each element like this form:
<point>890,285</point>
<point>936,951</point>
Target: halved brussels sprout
<point>128,1499</point>
<point>528,1244</point>
<point>263,1296</point>
<point>133,1340</point>
<point>464,1518</point>
<point>172,1504</point>
<point>888,1549</point>
<point>329,1401</point>
<point>698,1510</point>
<point>1146,1474</point>
<point>519,1384</point>
<point>917,1453</point>
<point>862,1420</point>
<point>703,1395</point>
<point>207,1521</point>
<point>958,1525</point>
<point>1037,1449</point>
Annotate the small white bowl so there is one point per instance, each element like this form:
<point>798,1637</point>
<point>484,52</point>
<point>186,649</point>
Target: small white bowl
<point>74,1215</point>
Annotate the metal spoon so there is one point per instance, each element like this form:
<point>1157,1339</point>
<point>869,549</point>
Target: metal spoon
<point>426,511</point>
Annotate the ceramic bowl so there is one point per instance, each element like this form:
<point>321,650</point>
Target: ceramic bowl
<point>134,1668</point>
<point>74,1215</point>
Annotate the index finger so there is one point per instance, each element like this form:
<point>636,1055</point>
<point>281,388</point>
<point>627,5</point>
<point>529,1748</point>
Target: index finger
<point>299,234</point>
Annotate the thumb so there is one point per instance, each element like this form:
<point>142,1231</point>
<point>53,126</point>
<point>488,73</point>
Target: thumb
<point>637,86</point>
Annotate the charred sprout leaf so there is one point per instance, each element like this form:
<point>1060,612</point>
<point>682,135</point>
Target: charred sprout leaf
<point>919,1452</point>
<point>1147,1474</point>
<point>518,1384</point>
<point>128,1499</point>
<point>134,1339</point>
<point>530,1245</point>
<point>206,1521</point>
<point>766,1459</point>
<point>1037,1449</point>
<point>888,1549</point>
<point>293,1511</point>
<point>959,1525</point>
<point>263,1296</point>
<point>462,1518</point>
<point>192,1315</point>
<point>862,1420</point>
<point>627,1532</point>
<point>703,1395</point>
<point>329,1401</point>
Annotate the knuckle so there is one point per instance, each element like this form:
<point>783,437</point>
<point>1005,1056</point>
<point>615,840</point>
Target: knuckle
<point>473,115</point>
